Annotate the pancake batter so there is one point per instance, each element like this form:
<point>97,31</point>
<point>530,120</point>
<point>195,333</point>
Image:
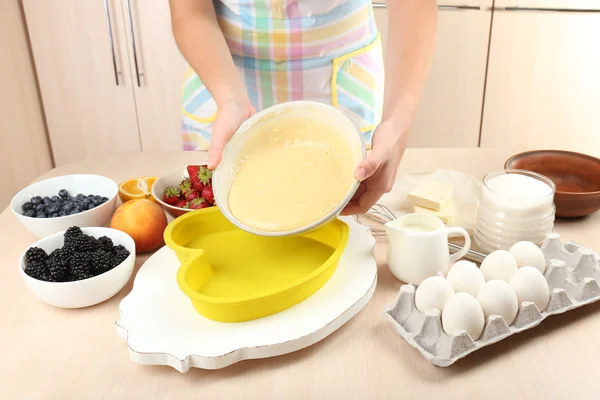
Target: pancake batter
<point>293,173</point>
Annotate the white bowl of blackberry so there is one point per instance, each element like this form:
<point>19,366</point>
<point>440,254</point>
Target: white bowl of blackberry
<point>79,267</point>
<point>55,204</point>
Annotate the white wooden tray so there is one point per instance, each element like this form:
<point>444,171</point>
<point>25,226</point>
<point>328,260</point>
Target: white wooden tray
<point>162,328</point>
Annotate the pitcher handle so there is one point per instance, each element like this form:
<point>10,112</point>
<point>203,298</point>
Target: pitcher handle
<point>467,246</point>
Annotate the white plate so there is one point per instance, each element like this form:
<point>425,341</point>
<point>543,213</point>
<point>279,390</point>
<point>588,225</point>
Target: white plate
<point>466,191</point>
<point>161,327</point>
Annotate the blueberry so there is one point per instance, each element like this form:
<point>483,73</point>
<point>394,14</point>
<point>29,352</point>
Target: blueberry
<point>63,193</point>
<point>29,213</point>
<point>62,213</point>
<point>73,212</point>
<point>97,200</point>
<point>40,214</point>
<point>53,215</point>
<point>90,196</point>
<point>77,209</point>
<point>80,197</point>
<point>86,201</point>
<point>104,199</point>
<point>40,207</point>
<point>55,199</point>
<point>90,206</point>
<point>27,206</point>
<point>46,200</point>
<point>36,200</point>
<point>67,207</point>
<point>52,208</point>
<point>70,198</point>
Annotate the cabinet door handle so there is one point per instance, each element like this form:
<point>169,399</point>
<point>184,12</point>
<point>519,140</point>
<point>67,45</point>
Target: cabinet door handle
<point>450,7</point>
<point>441,7</point>
<point>548,9</point>
<point>131,30</point>
<point>112,44</point>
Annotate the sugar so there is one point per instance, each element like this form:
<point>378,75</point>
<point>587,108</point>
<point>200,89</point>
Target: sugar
<point>517,185</point>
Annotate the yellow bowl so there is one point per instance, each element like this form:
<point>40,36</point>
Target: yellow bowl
<point>232,276</point>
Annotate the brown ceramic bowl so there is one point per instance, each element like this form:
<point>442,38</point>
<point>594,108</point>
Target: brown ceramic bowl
<point>576,175</point>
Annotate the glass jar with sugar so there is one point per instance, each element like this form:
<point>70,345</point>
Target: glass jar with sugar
<point>515,205</point>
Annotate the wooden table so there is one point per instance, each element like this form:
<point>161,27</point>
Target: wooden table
<point>51,353</point>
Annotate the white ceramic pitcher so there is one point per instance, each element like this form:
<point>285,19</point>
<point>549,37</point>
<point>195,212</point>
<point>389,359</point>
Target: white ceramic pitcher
<point>418,247</point>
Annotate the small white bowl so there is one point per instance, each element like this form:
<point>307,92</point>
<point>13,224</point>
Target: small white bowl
<point>74,184</point>
<point>225,172</point>
<point>89,291</point>
<point>172,178</point>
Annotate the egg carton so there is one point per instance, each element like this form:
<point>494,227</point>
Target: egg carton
<point>572,273</point>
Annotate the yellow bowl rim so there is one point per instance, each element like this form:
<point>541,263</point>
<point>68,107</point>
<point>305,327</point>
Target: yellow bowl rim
<point>194,295</point>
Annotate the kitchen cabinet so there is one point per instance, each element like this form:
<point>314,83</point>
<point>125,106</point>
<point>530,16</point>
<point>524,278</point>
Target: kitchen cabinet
<point>24,150</point>
<point>449,113</point>
<point>160,67</point>
<point>543,82</point>
<point>109,74</point>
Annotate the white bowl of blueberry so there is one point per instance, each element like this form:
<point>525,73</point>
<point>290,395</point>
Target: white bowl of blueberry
<point>79,267</point>
<point>55,204</point>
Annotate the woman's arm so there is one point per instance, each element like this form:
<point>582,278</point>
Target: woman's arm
<point>411,42</point>
<point>203,45</point>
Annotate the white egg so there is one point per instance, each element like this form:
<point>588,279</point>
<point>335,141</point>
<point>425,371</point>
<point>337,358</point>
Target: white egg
<point>466,277</point>
<point>530,285</point>
<point>528,254</point>
<point>497,298</point>
<point>463,313</point>
<point>499,264</point>
<point>433,292</point>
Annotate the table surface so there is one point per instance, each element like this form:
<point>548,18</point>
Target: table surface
<point>50,353</point>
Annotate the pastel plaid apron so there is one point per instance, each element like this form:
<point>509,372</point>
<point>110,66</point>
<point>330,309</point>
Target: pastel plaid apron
<point>321,50</point>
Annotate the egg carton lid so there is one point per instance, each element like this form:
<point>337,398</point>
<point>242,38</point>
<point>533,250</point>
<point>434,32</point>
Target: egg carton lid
<point>572,272</point>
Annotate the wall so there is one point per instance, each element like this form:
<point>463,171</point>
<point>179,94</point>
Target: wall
<point>24,147</point>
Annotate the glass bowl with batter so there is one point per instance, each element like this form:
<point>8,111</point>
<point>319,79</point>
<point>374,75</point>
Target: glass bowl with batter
<point>289,169</point>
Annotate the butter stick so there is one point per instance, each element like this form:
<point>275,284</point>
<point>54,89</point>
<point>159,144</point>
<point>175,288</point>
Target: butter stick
<point>446,214</point>
<point>432,194</point>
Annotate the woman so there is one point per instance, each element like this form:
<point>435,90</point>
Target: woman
<point>246,55</point>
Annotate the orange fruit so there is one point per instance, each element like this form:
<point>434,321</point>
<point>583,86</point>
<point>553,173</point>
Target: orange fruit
<point>137,188</point>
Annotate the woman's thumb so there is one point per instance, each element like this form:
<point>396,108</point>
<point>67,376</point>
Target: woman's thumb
<point>371,163</point>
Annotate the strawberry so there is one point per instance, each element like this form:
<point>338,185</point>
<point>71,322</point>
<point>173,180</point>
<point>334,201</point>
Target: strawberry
<point>185,187</point>
<point>197,185</point>
<point>198,203</point>
<point>193,171</point>
<point>208,195</point>
<point>205,175</point>
<point>194,194</point>
<point>171,195</point>
<point>181,204</point>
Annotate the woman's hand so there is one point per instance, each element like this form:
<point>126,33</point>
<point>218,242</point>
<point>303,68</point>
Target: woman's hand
<point>229,118</point>
<point>377,172</point>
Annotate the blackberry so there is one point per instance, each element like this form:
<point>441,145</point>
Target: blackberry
<point>81,266</point>
<point>105,243</point>
<point>120,253</point>
<point>83,244</point>
<point>72,233</point>
<point>35,255</point>
<point>101,261</point>
<point>58,266</point>
<point>37,270</point>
